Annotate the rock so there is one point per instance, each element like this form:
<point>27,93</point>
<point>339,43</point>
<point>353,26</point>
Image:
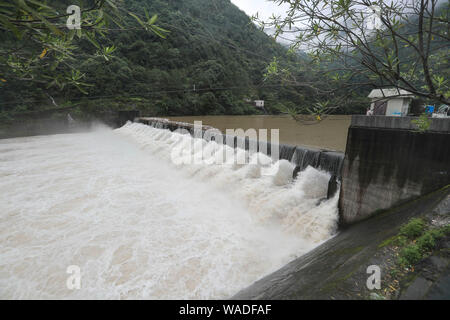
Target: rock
<point>417,289</point>
<point>332,187</point>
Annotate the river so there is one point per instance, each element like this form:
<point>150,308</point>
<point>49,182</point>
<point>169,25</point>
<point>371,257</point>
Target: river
<point>140,225</point>
<point>331,133</point>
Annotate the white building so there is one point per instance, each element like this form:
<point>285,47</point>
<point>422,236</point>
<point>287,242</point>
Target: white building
<point>390,102</point>
<point>259,103</point>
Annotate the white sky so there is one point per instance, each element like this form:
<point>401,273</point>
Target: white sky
<point>265,10</point>
<point>263,7</point>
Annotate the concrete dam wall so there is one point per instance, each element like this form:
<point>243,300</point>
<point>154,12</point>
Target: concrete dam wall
<point>388,162</point>
<point>301,157</point>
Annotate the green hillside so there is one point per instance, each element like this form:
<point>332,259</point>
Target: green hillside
<point>211,61</point>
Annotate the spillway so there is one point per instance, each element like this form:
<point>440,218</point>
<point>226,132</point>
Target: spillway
<point>143,223</point>
<point>300,156</point>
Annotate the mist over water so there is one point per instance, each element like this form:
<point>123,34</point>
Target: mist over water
<point>140,226</point>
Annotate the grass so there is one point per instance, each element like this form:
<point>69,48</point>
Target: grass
<point>413,229</point>
<point>387,242</point>
<point>397,240</point>
<point>422,123</point>
<point>410,255</point>
<point>415,241</point>
<point>423,241</point>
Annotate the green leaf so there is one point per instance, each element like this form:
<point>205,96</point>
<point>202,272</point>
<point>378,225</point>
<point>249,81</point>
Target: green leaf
<point>92,40</point>
<point>137,19</point>
<point>5,20</point>
<point>37,15</point>
<point>153,19</point>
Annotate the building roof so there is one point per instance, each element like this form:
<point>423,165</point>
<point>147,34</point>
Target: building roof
<point>389,92</point>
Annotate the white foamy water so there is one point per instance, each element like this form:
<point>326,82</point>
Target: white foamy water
<point>140,226</point>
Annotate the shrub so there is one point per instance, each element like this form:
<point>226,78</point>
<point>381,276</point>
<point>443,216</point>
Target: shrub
<point>410,255</point>
<point>427,241</point>
<point>401,241</point>
<point>413,229</point>
<point>422,123</point>
<point>443,231</point>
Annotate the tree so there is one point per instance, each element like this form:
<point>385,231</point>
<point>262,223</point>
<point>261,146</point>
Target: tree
<point>212,47</point>
<point>39,39</point>
<point>369,43</point>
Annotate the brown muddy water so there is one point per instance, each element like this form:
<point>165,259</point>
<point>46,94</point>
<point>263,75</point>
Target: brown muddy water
<point>125,214</point>
<point>331,133</point>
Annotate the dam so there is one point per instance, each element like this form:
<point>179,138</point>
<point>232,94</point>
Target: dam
<point>387,161</point>
<point>300,157</point>
<point>141,221</point>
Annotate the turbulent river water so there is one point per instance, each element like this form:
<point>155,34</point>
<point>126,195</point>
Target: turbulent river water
<point>139,225</point>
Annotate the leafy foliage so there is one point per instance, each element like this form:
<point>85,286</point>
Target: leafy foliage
<point>410,255</point>
<point>423,123</point>
<point>413,228</point>
<point>407,46</point>
<point>172,57</point>
<point>422,241</point>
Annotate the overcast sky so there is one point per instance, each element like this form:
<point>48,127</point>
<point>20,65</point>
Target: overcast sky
<point>263,7</point>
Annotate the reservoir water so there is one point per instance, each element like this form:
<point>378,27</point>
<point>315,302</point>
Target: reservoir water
<point>331,133</point>
<point>138,225</point>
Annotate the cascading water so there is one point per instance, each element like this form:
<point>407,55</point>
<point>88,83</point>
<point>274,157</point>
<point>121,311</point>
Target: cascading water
<point>329,161</point>
<point>141,222</point>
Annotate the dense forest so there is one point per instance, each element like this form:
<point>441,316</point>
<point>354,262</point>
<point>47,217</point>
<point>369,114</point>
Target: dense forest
<point>207,58</point>
<point>212,60</point>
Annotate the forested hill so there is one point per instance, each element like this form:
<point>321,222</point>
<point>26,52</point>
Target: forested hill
<point>212,60</point>
<point>211,44</point>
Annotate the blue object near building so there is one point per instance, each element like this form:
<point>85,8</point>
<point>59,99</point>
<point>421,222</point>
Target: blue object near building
<point>429,109</point>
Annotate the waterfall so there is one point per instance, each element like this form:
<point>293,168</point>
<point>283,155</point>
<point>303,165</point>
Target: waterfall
<point>287,151</point>
<point>331,161</point>
<point>301,157</point>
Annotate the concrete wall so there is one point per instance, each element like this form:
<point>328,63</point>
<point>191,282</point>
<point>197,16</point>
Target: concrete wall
<point>388,162</point>
<point>438,125</point>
